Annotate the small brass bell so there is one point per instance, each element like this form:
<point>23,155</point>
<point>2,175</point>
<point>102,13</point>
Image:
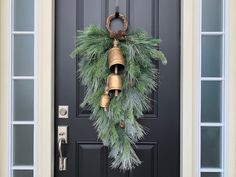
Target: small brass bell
<point>105,100</point>
<point>114,83</point>
<point>115,57</point>
<point>122,124</point>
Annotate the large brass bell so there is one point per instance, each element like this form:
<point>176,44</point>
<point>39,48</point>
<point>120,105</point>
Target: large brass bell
<point>114,83</point>
<point>105,100</point>
<point>115,58</point>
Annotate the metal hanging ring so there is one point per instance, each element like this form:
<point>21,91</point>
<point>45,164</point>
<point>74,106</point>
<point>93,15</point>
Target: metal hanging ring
<point>121,33</point>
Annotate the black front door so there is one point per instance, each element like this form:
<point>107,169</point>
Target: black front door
<point>160,149</point>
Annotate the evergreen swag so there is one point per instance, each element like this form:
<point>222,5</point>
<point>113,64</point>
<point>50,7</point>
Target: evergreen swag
<point>139,79</point>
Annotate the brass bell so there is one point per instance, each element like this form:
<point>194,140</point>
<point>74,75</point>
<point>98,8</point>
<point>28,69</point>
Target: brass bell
<point>105,100</point>
<point>114,83</point>
<point>115,57</point>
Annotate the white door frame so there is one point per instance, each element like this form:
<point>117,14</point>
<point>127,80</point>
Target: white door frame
<point>189,43</point>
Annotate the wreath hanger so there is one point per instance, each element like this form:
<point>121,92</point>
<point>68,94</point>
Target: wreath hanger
<point>120,34</point>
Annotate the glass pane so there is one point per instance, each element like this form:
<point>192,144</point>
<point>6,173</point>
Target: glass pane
<point>23,55</point>
<point>210,174</point>
<point>23,15</point>
<point>23,141</point>
<point>211,56</point>
<point>23,100</point>
<point>211,101</point>
<point>23,173</point>
<point>211,147</point>
<point>212,15</point>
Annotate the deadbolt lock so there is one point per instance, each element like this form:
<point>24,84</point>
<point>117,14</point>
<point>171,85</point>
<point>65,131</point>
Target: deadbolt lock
<point>63,111</point>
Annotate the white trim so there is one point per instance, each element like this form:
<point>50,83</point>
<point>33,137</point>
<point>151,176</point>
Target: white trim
<point>23,122</point>
<point>23,167</point>
<point>10,173</point>
<point>11,86</point>
<point>212,33</point>
<point>226,87</point>
<point>212,170</point>
<point>231,82</point>
<point>23,77</point>
<point>45,122</point>
<point>23,32</point>
<point>212,78</point>
<point>198,85</point>
<point>211,124</point>
<point>188,87</point>
<point>35,89</point>
<point>223,97</point>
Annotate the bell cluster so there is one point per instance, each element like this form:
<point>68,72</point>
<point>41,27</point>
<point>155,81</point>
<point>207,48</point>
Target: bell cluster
<point>116,63</point>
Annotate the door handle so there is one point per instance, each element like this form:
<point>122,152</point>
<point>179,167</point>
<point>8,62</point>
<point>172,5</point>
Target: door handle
<point>62,160</point>
<point>62,139</point>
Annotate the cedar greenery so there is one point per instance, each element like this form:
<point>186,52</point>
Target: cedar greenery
<point>139,79</point>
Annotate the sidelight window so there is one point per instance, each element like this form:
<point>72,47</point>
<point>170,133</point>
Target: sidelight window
<point>212,81</point>
<point>23,90</point>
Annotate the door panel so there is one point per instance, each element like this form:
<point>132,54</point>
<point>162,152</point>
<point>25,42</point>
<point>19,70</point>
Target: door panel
<point>159,150</point>
<point>91,158</point>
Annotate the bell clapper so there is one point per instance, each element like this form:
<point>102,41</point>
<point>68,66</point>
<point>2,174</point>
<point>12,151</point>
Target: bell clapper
<point>116,69</point>
<point>116,72</point>
<point>116,92</point>
<point>122,124</point>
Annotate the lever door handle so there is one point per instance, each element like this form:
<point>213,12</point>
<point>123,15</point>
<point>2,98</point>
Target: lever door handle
<point>62,160</point>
